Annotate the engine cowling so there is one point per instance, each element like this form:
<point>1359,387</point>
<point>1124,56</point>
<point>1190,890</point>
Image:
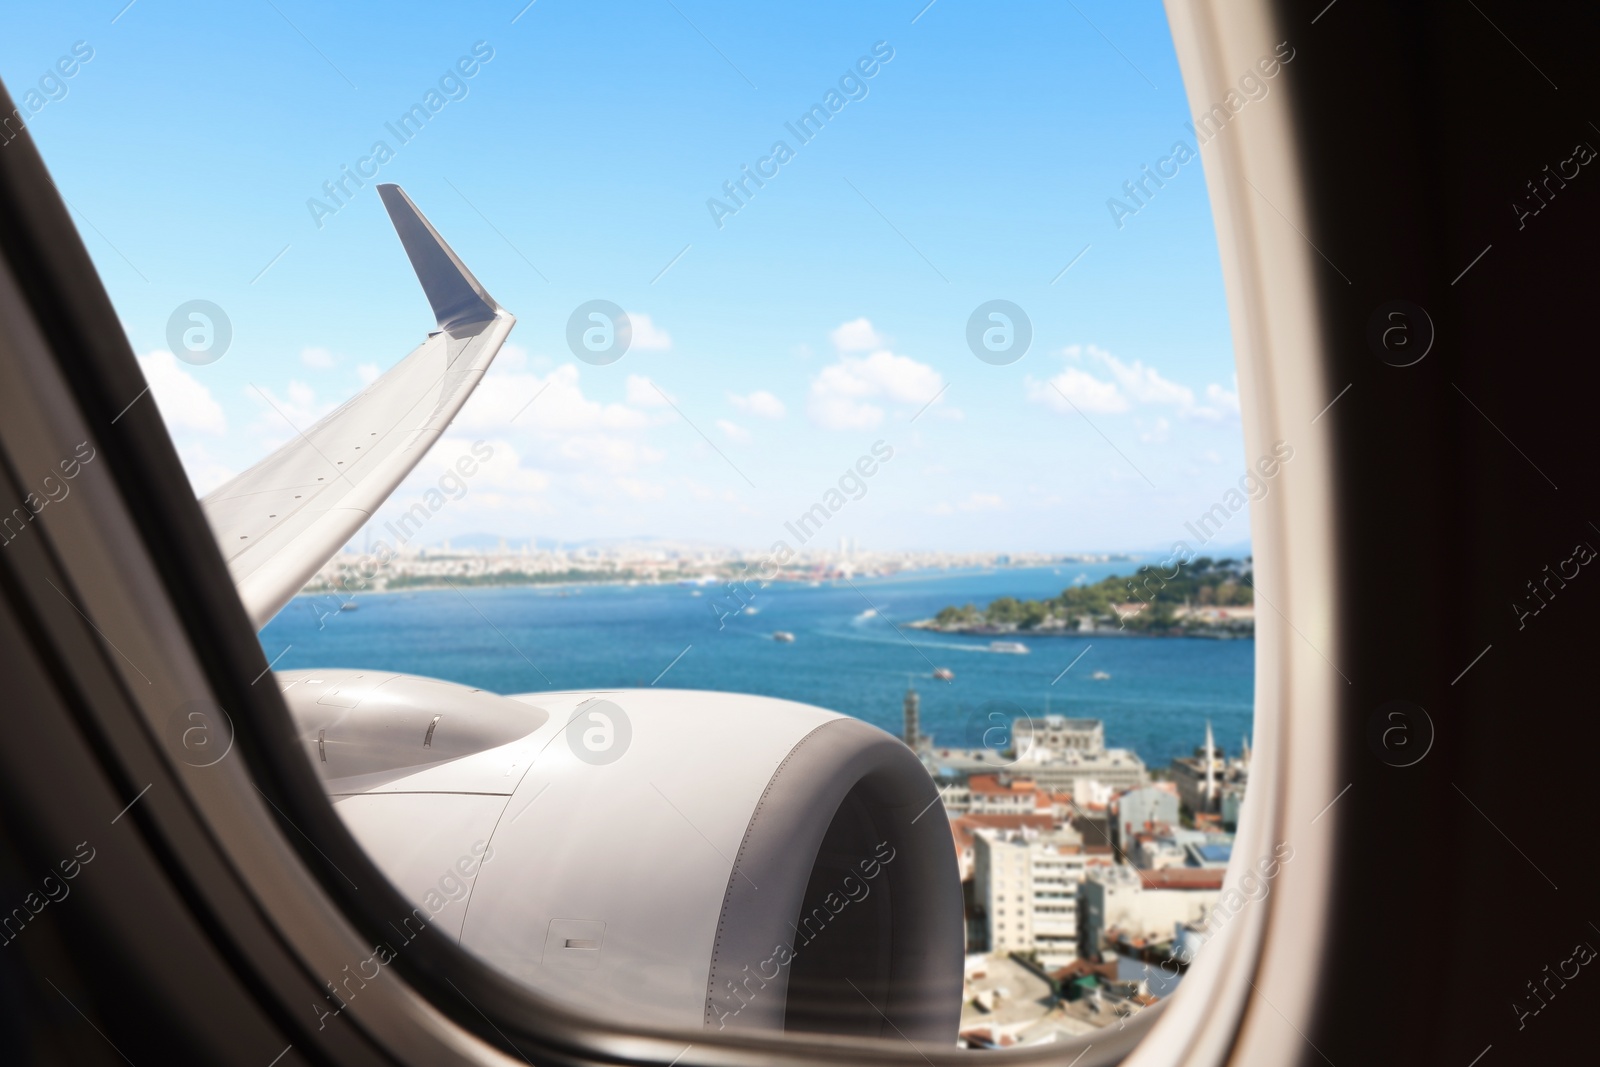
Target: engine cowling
<point>697,859</point>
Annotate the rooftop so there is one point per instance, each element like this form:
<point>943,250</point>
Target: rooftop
<point>963,827</point>
<point>1182,878</point>
<point>1001,785</point>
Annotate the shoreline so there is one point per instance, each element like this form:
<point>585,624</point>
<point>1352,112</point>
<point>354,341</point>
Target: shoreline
<point>1207,633</point>
<point>911,573</point>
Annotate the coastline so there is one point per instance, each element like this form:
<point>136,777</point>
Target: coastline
<point>1211,633</point>
<point>531,580</point>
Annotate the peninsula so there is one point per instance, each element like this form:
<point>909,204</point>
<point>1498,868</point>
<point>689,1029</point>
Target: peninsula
<point>1204,598</point>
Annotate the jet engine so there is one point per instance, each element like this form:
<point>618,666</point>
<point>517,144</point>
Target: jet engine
<point>697,859</point>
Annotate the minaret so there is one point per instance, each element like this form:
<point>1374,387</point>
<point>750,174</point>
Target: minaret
<point>1244,756</point>
<point>1211,777</point>
<point>913,728</point>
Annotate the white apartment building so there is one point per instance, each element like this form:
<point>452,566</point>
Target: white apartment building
<point>1057,733</point>
<point>1028,884</point>
<point>1058,753</point>
<point>1148,904</point>
<point>1004,794</point>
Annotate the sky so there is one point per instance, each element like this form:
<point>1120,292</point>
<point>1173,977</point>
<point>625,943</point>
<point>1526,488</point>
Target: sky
<point>968,154</point>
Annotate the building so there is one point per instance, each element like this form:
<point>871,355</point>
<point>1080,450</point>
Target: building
<point>1059,734</point>
<point>913,727</point>
<point>1093,824</point>
<point>1143,809</point>
<point>1054,751</point>
<point>1210,613</point>
<point>1155,849</point>
<point>1058,753</point>
<point>1162,846</point>
<point>965,827</point>
<point>1140,905</point>
<point>1027,885</point>
<point>1005,794</point>
<point>1206,777</point>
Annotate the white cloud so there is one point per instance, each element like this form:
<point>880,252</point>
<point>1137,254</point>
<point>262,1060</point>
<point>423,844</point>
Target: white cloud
<point>569,452</point>
<point>974,502</point>
<point>504,470</point>
<point>299,406</point>
<point>1222,405</point>
<point>641,393</point>
<point>982,502</point>
<point>368,373</point>
<point>500,484</point>
<point>1131,383</point>
<point>842,394</point>
<point>641,490</point>
<point>184,403</point>
<point>1076,389</point>
<point>759,403</point>
<point>705,493</point>
<point>1158,432</point>
<point>856,336</point>
<point>501,474</point>
<point>606,452</point>
<point>560,407</point>
<point>647,336</point>
<point>734,431</point>
<point>317,358</point>
<point>1143,384</point>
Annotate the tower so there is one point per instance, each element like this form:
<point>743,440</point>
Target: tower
<point>913,727</point>
<point>1211,773</point>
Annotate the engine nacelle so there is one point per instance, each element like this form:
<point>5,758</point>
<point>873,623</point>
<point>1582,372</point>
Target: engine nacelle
<point>686,858</point>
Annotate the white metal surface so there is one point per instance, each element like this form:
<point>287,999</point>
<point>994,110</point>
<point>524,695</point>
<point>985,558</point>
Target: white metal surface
<point>641,847</point>
<point>282,519</point>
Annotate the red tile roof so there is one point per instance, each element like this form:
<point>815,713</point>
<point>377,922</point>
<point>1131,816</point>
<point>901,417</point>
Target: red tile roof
<point>1182,878</point>
<point>990,783</point>
<point>963,826</point>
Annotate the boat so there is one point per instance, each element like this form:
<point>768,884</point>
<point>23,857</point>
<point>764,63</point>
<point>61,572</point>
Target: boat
<point>348,605</point>
<point>944,674</point>
<point>783,636</point>
<point>1100,676</point>
<point>751,611</point>
<point>1014,648</point>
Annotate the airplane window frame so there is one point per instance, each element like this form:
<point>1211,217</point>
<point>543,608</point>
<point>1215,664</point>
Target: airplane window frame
<point>278,880</point>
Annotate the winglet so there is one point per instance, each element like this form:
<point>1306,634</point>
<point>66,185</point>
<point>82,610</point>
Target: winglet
<point>280,521</point>
<point>455,294</point>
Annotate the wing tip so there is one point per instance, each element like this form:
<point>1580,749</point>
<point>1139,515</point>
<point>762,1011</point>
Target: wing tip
<point>457,298</point>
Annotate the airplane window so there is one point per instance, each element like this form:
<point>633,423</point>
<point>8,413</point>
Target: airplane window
<point>813,507</point>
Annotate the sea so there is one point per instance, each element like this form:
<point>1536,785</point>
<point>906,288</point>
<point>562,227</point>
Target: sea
<point>852,652</point>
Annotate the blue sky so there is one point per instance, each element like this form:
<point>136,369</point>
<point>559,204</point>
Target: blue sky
<point>577,163</point>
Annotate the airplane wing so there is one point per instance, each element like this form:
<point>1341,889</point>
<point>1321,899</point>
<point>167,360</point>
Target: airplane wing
<point>282,519</point>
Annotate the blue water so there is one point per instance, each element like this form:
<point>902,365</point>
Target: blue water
<point>525,639</point>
